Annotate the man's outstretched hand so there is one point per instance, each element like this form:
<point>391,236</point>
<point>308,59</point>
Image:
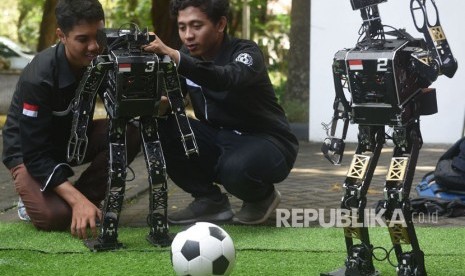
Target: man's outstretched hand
<point>85,213</point>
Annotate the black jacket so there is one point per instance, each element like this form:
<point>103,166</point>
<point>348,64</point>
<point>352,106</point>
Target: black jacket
<point>39,119</point>
<point>234,92</point>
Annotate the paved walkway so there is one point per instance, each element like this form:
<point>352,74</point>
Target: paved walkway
<point>313,183</point>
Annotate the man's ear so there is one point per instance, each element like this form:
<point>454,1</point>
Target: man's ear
<point>222,24</point>
<point>61,35</point>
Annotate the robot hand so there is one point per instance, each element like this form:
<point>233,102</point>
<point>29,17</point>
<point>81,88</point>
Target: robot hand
<point>333,150</point>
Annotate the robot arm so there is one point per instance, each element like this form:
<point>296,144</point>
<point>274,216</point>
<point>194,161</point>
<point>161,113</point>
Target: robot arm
<point>372,29</point>
<point>333,147</point>
<point>172,87</point>
<point>83,105</point>
<point>439,54</point>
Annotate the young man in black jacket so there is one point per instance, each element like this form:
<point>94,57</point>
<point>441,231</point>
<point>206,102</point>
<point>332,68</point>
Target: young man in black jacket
<point>38,125</point>
<point>244,139</point>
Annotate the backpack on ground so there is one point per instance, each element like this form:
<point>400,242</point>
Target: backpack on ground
<point>450,169</point>
<point>443,190</point>
<point>430,188</point>
<point>436,199</point>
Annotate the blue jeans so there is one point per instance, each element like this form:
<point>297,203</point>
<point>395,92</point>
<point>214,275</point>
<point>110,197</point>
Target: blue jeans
<point>246,165</point>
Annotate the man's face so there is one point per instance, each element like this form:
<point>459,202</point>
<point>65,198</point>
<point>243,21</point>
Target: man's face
<point>199,34</point>
<point>81,43</point>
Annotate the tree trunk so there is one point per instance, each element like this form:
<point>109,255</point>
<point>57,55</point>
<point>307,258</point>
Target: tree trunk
<point>48,26</point>
<point>297,91</point>
<point>164,25</point>
<point>21,17</point>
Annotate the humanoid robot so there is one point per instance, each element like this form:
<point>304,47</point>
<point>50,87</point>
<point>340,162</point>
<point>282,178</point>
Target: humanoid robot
<point>383,83</point>
<point>131,82</point>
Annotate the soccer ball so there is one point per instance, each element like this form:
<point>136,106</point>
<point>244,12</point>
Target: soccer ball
<point>203,249</point>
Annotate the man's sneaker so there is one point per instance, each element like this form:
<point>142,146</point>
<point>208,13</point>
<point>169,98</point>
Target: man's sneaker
<point>22,214</point>
<point>203,209</point>
<point>258,212</point>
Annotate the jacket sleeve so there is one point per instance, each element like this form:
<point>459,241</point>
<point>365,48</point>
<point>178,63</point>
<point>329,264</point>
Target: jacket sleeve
<point>35,124</point>
<point>242,68</point>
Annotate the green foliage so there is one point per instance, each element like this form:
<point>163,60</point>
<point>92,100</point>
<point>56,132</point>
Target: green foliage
<point>9,18</point>
<point>273,38</point>
<point>120,12</point>
<point>271,33</point>
<point>30,16</point>
<point>279,81</point>
<point>24,17</point>
<point>296,111</point>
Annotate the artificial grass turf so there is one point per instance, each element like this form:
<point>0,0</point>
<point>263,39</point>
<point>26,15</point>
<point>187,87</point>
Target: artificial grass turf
<point>259,251</point>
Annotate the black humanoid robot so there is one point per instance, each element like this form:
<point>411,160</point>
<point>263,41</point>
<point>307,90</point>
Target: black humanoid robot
<point>131,82</point>
<point>384,82</point>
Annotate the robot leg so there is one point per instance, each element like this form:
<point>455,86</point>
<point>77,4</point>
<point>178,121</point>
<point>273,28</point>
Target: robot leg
<point>155,162</point>
<point>359,259</point>
<point>108,236</point>
<point>397,204</point>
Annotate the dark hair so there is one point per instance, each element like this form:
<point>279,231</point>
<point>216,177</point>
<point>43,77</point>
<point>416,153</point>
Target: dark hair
<point>214,9</point>
<point>69,13</point>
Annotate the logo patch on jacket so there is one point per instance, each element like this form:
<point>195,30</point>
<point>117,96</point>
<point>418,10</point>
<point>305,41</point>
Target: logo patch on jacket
<point>30,110</point>
<point>245,58</point>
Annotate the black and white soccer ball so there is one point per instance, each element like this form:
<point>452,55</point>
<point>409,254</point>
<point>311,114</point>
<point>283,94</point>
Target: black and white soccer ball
<point>203,249</point>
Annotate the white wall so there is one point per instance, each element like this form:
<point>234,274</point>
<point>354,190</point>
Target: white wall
<point>334,26</point>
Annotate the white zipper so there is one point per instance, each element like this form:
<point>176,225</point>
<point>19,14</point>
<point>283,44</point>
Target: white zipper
<point>205,100</point>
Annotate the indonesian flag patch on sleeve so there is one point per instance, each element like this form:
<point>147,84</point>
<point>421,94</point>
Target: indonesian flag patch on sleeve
<point>30,110</point>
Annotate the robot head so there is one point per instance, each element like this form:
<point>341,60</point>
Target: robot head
<point>361,4</point>
<point>130,39</point>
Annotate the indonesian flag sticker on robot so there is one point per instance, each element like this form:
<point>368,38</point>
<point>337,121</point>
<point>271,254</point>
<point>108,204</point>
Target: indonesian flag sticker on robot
<point>124,67</point>
<point>355,64</point>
